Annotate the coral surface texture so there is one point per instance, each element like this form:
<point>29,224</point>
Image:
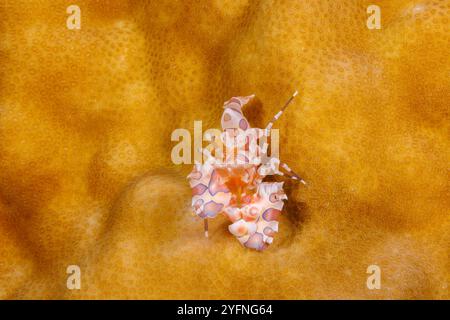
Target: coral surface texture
<point>87,179</point>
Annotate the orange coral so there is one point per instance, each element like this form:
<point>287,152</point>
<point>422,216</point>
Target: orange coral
<point>85,123</point>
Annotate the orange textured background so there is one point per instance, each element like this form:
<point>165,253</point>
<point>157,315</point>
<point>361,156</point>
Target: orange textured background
<point>85,123</point>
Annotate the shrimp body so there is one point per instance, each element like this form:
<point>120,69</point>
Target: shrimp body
<point>234,187</point>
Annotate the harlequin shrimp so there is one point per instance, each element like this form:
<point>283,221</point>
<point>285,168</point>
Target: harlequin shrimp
<point>232,184</point>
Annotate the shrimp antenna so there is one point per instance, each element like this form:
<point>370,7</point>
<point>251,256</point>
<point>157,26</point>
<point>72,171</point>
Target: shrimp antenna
<point>291,173</point>
<point>266,133</point>
<point>278,115</point>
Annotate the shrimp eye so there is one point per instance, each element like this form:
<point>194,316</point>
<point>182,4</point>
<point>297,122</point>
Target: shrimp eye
<point>274,197</point>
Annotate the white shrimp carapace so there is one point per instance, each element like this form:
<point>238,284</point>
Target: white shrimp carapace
<point>233,186</point>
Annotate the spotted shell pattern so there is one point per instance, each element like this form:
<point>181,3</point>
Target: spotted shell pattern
<point>253,207</point>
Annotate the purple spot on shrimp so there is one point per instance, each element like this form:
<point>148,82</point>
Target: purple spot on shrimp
<point>211,209</point>
<point>199,189</point>
<point>271,214</point>
<point>214,184</point>
<point>269,232</point>
<point>243,124</point>
<point>235,99</point>
<point>235,106</point>
<point>255,242</point>
<point>226,117</point>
